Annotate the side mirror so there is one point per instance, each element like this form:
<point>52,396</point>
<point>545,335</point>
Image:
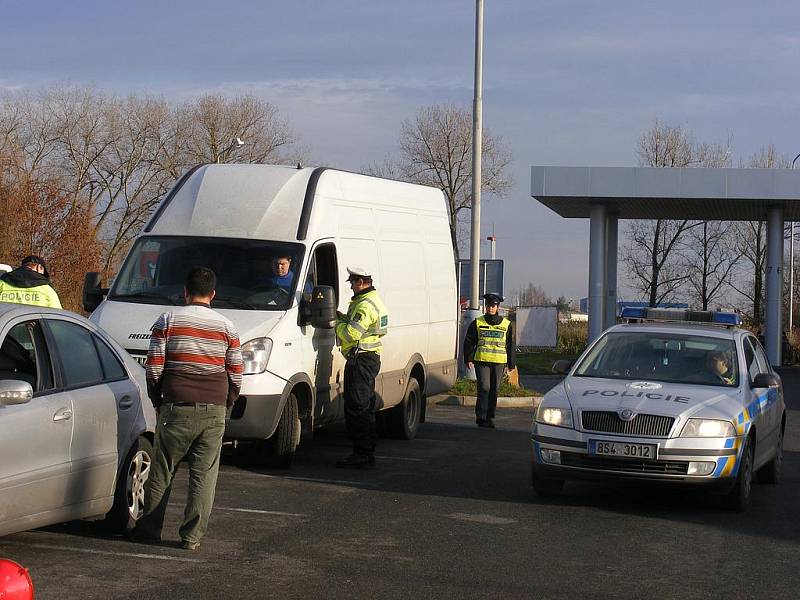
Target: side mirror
<point>323,307</point>
<point>92,292</point>
<point>562,367</point>
<point>14,391</point>
<point>766,380</point>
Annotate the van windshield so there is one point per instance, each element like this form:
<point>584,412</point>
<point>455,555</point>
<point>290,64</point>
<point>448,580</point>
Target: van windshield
<point>251,274</point>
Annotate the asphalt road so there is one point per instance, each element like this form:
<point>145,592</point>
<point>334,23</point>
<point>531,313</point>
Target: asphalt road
<point>448,515</point>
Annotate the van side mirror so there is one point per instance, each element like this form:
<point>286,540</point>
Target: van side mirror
<point>562,367</point>
<point>766,380</point>
<point>323,307</point>
<point>92,292</point>
<point>13,391</point>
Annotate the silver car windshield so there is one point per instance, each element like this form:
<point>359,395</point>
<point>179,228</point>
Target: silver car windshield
<point>671,358</point>
<point>251,274</point>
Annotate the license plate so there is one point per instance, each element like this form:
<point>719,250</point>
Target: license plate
<point>622,449</point>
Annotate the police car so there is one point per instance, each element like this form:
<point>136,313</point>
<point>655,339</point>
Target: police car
<point>670,396</point>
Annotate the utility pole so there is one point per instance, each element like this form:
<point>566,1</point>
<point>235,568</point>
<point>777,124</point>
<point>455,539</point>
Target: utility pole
<point>477,131</point>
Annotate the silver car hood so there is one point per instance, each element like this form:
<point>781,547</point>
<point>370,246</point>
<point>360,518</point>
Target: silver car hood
<point>129,323</point>
<point>652,397</point>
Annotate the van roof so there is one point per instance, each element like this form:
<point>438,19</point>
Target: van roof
<point>234,200</point>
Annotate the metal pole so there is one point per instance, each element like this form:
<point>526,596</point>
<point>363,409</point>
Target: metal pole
<point>772,335</point>
<point>791,268</point>
<point>597,271</point>
<point>477,132</point>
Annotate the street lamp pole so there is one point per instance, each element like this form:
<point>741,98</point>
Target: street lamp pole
<point>791,266</point>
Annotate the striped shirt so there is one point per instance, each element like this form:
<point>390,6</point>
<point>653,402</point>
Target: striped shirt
<point>194,356</point>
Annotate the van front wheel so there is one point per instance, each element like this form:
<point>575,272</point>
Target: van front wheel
<point>403,420</point>
<point>278,450</point>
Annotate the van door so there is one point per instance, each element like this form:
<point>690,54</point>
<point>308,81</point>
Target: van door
<point>328,370</point>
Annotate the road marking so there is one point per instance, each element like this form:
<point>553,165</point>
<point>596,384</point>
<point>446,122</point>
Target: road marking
<point>478,518</point>
<point>310,479</point>
<point>398,458</point>
<point>257,512</point>
<point>104,552</point>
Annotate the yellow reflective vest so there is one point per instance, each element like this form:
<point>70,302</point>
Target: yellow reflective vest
<point>365,323</point>
<point>491,341</point>
<point>40,295</point>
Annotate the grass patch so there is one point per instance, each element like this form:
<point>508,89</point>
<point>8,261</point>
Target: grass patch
<point>467,387</point>
<point>540,362</point>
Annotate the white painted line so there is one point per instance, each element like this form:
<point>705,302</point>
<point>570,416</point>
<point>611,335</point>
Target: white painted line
<point>259,512</point>
<point>310,479</point>
<point>104,552</point>
<point>481,518</point>
<point>399,458</point>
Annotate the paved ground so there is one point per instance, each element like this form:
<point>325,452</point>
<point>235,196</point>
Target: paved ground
<point>448,515</point>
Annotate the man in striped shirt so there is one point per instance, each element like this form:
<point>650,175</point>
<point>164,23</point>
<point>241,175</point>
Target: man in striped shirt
<point>194,372</point>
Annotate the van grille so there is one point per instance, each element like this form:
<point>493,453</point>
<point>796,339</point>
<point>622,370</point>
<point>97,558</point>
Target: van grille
<point>607,421</point>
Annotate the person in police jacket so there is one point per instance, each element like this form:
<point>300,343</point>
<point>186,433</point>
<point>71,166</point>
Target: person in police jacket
<point>489,346</point>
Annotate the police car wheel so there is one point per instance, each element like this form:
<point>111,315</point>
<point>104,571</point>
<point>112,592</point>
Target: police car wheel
<point>772,471</point>
<point>129,494</point>
<point>738,499</point>
<point>546,487</point>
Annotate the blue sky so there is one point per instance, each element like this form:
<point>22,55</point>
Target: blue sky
<point>565,82</point>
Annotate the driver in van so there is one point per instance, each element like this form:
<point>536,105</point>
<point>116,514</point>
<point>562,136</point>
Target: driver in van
<point>282,275</point>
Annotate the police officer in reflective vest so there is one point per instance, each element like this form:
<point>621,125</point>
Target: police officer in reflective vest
<point>359,332</point>
<point>29,284</point>
<point>489,346</point>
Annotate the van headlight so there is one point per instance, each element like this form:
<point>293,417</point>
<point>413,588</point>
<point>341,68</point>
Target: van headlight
<point>255,355</point>
<point>560,417</point>
<point>699,428</point>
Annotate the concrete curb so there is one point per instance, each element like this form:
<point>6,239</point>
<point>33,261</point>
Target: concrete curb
<point>502,401</point>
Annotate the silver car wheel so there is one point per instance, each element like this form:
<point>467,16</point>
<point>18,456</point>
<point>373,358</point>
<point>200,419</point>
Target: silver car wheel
<point>138,472</point>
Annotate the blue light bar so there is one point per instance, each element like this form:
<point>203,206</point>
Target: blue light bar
<point>630,312</point>
<point>726,318</point>
<point>673,315</point>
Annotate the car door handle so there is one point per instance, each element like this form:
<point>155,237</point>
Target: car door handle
<point>125,402</point>
<point>64,414</point>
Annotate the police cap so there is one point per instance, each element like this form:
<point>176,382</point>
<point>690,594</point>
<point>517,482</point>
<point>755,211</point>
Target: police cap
<point>357,273</point>
<point>492,298</point>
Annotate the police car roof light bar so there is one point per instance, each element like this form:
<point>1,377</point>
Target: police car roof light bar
<point>677,315</point>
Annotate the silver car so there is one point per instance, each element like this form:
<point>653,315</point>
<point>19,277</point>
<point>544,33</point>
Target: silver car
<point>75,422</point>
<point>679,402</point>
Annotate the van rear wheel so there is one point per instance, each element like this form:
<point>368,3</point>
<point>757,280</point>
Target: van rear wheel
<point>402,421</point>
<point>278,451</point>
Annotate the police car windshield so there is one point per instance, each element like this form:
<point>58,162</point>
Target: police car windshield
<point>251,274</point>
<point>656,356</point>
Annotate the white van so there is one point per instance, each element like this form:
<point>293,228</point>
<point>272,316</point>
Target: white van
<point>238,220</point>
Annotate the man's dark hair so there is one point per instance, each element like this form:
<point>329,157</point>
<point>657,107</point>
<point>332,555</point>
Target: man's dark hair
<point>201,281</point>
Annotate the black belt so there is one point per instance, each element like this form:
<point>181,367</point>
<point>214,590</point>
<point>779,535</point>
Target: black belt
<point>185,403</point>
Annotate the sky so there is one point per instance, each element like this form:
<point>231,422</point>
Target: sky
<point>566,82</point>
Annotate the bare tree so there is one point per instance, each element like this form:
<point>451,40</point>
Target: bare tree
<point>652,252</point>
<point>436,150</point>
<point>533,295</point>
<point>709,256</point>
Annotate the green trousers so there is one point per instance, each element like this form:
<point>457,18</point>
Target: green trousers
<point>193,432</point>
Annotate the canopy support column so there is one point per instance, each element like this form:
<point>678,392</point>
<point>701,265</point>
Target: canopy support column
<point>774,295</point>
<point>611,271</point>
<point>597,270</point>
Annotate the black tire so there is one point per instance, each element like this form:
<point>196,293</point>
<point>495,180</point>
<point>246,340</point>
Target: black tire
<point>546,488</point>
<point>772,471</point>
<point>738,499</point>
<point>129,493</point>
<point>278,451</point>
<point>402,421</point>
